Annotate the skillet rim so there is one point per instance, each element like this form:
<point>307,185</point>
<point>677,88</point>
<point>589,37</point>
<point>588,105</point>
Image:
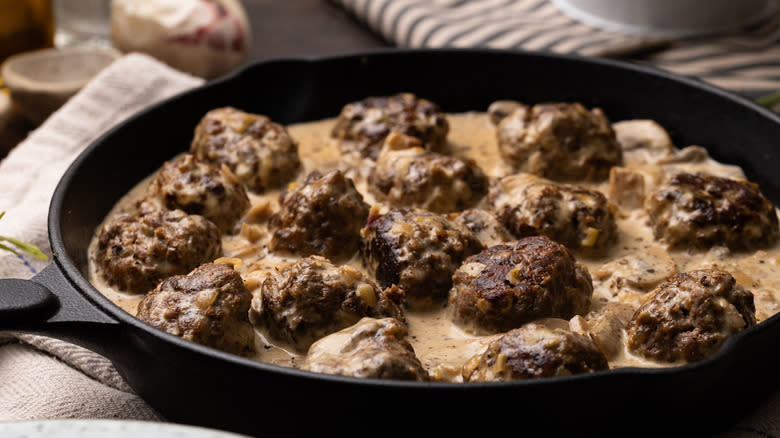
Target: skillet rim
<point>82,286</point>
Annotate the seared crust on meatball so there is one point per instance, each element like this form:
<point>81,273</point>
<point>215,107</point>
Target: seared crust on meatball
<point>313,297</point>
<point>580,218</point>
<point>417,250</point>
<point>321,217</point>
<point>533,351</point>
<point>560,141</point>
<point>701,211</point>
<point>414,177</point>
<point>485,226</point>
<point>363,125</point>
<point>134,252</point>
<point>197,187</point>
<point>508,285</point>
<point>689,316</point>
<point>258,151</point>
<point>209,306</point>
<point>372,348</point>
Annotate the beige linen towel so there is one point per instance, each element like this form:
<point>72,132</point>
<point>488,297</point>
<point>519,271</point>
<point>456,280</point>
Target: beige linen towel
<point>43,378</point>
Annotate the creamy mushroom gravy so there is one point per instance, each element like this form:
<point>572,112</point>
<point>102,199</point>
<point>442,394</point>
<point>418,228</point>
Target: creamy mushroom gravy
<point>635,259</point>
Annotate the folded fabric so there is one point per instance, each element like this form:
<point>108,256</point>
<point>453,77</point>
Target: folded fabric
<point>43,378</point>
<point>745,61</point>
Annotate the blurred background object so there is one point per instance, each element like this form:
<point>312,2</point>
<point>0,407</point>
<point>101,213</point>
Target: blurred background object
<point>44,58</point>
<point>41,81</point>
<point>206,38</point>
<point>5,108</point>
<point>744,60</point>
<point>669,18</point>
<point>25,25</point>
<point>82,22</point>
<point>49,49</point>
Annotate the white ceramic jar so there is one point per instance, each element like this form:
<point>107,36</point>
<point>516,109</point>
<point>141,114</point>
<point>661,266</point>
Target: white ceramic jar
<point>668,18</point>
<point>206,38</point>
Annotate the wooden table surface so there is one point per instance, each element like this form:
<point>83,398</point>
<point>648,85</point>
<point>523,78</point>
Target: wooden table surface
<point>283,28</point>
<point>280,29</point>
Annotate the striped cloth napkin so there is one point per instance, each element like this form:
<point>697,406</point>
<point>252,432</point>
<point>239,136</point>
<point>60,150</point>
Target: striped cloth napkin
<point>746,61</point>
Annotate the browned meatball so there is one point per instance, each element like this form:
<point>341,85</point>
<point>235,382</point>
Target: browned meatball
<point>417,250</point>
<point>134,252</point>
<point>414,177</point>
<point>363,126</point>
<point>485,226</point>
<point>533,351</point>
<point>323,217</point>
<point>689,316</point>
<point>312,298</point>
<point>372,348</point>
<point>580,218</point>
<point>508,285</point>
<point>197,187</point>
<point>701,211</point>
<point>560,141</point>
<point>258,151</point>
<point>209,306</point>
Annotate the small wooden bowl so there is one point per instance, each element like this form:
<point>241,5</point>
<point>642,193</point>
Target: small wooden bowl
<point>42,80</point>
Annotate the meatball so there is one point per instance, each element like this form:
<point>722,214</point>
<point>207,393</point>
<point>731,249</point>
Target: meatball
<point>197,187</point>
<point>134,252</point>
<point>485,226</point>
<point>414,177</point>
<point>321,217</point>
<point>372,348</point>
<point>560,141</point>
<point>535,350</point>
<point>209,306</point>
<point>417,250</point>
<point>580,218</point>
<point>312,298</point>
<point>258,151</point>
<point>701,211</point>
<point>508,285</point>
<point>363,126</point>
<point>689,316</point>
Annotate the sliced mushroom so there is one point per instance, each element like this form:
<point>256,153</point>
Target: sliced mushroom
<point>641,271</point>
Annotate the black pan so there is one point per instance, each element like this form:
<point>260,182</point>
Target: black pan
<point>193,384</point>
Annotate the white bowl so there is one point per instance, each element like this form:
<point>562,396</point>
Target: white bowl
<point>78,428</point>
<point>42,80</point>
<point>668,18</point>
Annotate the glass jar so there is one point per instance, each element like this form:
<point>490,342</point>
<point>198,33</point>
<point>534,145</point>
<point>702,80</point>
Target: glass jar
<point>25,25</point>
<point>82,22</point>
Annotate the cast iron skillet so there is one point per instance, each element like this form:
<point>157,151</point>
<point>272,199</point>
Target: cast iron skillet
<point>189,383</point>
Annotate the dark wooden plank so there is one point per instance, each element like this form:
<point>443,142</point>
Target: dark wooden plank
<point>291,28</point>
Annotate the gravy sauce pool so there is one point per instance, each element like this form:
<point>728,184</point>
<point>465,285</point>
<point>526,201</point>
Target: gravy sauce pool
<point>442,346</point>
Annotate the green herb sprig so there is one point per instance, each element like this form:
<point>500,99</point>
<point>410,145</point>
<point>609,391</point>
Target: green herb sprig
<point>17,245</point>
<point>769,100</point>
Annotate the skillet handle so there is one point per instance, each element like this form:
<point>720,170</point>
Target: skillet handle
<point>48,304</point>
<point>24,302</point>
